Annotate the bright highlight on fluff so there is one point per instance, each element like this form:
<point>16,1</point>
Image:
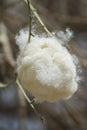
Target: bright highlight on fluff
<point>46,68</point>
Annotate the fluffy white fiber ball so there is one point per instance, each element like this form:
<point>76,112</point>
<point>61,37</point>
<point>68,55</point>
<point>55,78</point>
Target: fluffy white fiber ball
<point>46,68</point>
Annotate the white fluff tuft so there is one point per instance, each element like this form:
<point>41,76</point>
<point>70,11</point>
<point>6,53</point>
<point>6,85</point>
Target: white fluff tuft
<point>46,68</point>
<point>64,36</point>
<point>22,39</point>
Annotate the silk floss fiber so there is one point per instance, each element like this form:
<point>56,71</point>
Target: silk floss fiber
<point>45,67</point>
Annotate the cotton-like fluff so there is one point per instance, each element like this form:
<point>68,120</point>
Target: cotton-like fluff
<point>46,69</point>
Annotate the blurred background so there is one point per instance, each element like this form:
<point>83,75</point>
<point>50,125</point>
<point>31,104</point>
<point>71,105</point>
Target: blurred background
<point>15,112</point>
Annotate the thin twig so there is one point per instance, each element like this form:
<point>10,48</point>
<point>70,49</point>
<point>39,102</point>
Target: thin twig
<point>2,85</point>
<point>30,19</point>
<point>29,101</point>
<point>24,94</point>
<point>39,19</point>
